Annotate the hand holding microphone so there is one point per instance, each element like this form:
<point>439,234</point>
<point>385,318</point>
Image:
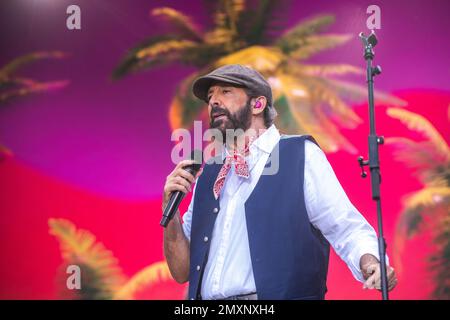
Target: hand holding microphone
<point>178,184</point>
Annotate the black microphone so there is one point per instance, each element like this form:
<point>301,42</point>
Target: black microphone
<point>177,196</point>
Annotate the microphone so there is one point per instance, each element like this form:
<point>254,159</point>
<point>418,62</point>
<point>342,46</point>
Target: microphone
<point>177,196</point>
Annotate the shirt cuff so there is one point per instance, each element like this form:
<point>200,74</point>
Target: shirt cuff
<point>358,253</point>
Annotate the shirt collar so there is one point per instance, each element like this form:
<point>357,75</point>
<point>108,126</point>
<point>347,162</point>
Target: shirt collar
<point>265,142</point>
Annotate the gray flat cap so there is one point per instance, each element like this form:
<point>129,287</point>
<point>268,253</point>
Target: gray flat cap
<point>234,74</point>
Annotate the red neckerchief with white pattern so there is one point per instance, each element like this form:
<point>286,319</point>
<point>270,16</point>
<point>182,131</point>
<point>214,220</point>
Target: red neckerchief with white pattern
<point>240,167</point>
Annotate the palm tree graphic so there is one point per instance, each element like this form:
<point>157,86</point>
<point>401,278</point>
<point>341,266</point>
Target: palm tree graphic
<point>307,98</point>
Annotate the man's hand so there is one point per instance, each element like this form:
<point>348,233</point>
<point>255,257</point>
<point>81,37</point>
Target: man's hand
<point>179,180</point>
<point>370,268</point>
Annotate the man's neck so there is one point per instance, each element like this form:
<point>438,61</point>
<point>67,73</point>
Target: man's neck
<point>243,141</point>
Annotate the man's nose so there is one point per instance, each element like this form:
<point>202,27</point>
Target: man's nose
<point>214,101</point>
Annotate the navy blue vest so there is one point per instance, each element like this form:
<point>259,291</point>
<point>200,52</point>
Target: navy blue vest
<point>289,256</point>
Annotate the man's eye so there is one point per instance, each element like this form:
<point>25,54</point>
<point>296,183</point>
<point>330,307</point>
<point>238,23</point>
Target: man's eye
<point>226,90</point>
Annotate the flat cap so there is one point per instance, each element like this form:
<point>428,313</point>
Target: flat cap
<point>234,74</point>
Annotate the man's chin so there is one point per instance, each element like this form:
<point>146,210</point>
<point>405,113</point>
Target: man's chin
<point>219,125</point>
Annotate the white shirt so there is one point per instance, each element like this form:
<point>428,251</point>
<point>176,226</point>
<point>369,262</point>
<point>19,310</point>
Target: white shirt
<point>229,271</point>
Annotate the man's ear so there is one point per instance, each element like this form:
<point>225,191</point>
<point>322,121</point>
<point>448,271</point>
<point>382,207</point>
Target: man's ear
<point>259,105</point>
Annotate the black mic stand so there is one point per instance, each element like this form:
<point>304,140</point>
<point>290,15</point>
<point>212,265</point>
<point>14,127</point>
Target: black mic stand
<point>373,162</point>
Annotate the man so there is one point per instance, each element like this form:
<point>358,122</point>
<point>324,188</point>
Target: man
<point>250,235</point>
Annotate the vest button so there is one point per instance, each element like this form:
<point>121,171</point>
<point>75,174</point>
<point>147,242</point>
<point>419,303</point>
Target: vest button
<point>215,210</point>
<point>205,239</point>
<point>198,268</point>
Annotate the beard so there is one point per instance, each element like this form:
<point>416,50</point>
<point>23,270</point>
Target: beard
<point>241,119</point>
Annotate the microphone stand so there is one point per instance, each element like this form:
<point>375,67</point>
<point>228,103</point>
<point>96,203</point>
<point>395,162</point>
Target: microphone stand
<point>373,162</point>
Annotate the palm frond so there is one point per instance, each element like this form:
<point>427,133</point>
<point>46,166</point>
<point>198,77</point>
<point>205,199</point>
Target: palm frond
<point>19,62</point>
<point>312,45</point>
<point>428,210</point>
<point>330,69</point>
<point>303,107</point>
<point>295,37</point>
<point>234,9</point>
<point>226,33</point>
<point>440,260</point>
<point>223,38</point>
<point>426,198</point>
<point>355,92</point>
<point>100,273</point>
<point>31,87</point>
<point>326,98</point>
<point>255,25</point>
<point>419,208</point>
<point>264,59</point>
<point>12,85</point>
<point>157,51</point>
<point>162,50</point>
<point>333,133</point>
<point>429,207</point>
<point>182,23</point>
<point>420,156</point>
<point>153,274</point>
<point>308,27</point>
<point>323,96</point>
<point>298,112</point>
<point>418,123</point>
<point>285,119</point>
<point>228,14</point>
<point>185,107</point>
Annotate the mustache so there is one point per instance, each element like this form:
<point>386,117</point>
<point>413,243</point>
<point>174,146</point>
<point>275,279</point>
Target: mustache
<point>216,111</point>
